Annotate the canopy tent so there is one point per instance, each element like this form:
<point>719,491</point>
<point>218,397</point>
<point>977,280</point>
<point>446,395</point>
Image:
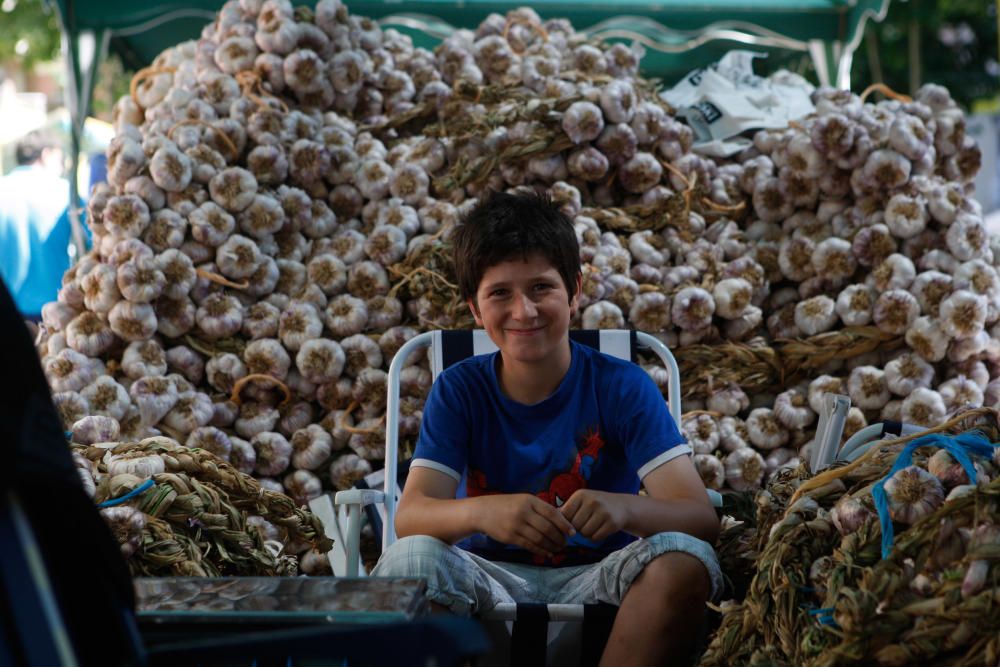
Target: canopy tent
<point>679,35</point>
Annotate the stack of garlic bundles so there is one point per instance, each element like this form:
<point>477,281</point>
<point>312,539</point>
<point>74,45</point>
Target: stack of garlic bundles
<point>185,512</point>
<point>873,251</point>
<point>822,594</point>
<point>282,192</point>
<point>258,256</point>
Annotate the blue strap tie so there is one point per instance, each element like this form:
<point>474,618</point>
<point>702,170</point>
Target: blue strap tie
<point>959,446</point>
<point>139,490</point>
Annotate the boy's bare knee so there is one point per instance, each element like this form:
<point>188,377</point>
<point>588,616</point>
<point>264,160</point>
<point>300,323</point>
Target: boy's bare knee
<point>680,578</point>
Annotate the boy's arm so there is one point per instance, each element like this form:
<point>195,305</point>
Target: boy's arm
<point>677,502</point>
<point>429,507</point>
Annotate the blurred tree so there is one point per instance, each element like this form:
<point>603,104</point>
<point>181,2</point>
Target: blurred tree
<point>30,30</point>
<point>950,42</point>
<point>112,82</point>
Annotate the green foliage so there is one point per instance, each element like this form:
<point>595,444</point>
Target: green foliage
<point>958,48</point>
<point>111,83</point>
<point>30,32</point>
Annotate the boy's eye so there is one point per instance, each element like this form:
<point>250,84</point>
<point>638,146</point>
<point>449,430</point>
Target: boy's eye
<point>543,286</point>
<point>498,292</point>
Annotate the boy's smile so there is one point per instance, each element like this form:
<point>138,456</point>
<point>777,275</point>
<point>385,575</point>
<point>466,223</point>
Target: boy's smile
<point>525,308</point>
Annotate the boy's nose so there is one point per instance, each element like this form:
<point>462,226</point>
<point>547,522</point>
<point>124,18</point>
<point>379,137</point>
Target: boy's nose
<point>524,308</point>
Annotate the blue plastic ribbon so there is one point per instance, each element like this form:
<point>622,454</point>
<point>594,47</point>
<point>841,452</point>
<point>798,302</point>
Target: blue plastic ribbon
<point>142,488</point>
<point>959,446</point>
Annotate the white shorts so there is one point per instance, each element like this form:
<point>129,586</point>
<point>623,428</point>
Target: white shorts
<point>467,584</point>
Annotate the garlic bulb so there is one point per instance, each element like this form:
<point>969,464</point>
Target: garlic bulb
<point>242,455</point>
<point>849,514</point>
<point>927,337</point>
<point>824,384</point>
<point>348,469</point>
<point>312,446</point>
<point>867,387</point>
<point>603,315</point>
<point>106,397</point>
<point>733,434</point>
<point>913,493</point>
<point>273,453</point>
<point>895,311</point>
<point>960,392</point>
<point>711,470</point>
<point>702,433</point>
<point>764,430</point>
<point>984,535</point>
<point>744,469</point>
<point>854,305</point>
<point>127,525</point>
<point>924,407</point>
<point>963,314</point>
<point>190,412</point>
<point>907,372</point>
<point>71,407</point>
<point>728,401</point>
<point>692,308</point>
<point>91,429</point>
<point>815,315</point>
<point>302,486</point>
<point>154,397</point>
<point>134,462</point>
<point>791,409</point>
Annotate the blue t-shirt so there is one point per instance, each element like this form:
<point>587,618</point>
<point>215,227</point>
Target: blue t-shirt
<point>35,233</point>
<point>605,427</point>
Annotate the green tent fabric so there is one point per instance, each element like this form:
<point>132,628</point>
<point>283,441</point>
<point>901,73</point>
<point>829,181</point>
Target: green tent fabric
<point>679,35</point>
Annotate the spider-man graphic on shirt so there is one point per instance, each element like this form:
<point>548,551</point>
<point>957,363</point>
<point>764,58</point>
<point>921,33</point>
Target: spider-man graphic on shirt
<point>560,487</point>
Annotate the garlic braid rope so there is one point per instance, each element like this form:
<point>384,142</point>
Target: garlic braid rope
<point>515,20</point>
<point>197,121</point>
<point>253,88</point>
<point>221,280</point>
<point>351,429</point>
<point>407,277</point>
<point>143,74</point>
<point>243,381</point>
<point>885,90</point>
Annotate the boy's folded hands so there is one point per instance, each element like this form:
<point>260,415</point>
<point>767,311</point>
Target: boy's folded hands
<point>529,522</point>
<point>596,514</point>
<point>525,521</point>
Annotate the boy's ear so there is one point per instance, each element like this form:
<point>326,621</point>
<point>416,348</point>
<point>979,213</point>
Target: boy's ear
<point>475,311</point>
<point>574,302</point>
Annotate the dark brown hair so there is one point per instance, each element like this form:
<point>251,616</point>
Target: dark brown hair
<point>505,226</point>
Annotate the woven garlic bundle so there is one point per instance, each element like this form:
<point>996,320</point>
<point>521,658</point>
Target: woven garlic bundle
<point>184,511</point>
<point>848,595</point>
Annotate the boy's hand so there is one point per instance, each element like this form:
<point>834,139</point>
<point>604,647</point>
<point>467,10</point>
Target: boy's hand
<point>596,514</point>
<point>525,521</point>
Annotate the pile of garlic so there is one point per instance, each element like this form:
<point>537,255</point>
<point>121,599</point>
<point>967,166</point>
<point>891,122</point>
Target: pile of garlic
<point>281,193</point>
<point>862,216</point>
<point>256,246</point>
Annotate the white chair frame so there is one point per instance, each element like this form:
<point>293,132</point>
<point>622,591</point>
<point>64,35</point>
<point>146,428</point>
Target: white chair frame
<point>347,506</point>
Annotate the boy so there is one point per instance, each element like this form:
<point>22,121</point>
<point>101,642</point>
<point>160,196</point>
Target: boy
<point>546,443</point>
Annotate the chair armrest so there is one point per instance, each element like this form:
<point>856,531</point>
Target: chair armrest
<point>362,497</point>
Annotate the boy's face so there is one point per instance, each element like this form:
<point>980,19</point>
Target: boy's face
<point>525,308</point>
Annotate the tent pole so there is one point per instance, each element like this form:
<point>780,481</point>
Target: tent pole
<point>80,81</point>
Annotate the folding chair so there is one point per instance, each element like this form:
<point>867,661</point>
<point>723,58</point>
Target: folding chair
<point>448,348</point>
<point>826,448</point>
